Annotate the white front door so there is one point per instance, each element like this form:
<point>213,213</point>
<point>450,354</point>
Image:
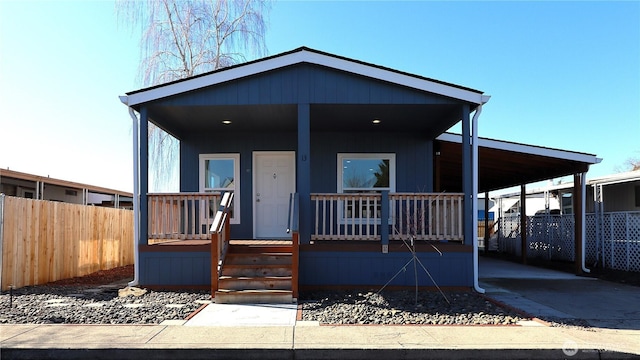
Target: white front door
<point>273,181</point>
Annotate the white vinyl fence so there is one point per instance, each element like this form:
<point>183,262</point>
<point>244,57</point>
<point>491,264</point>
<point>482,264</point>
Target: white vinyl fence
<point>612,240</point>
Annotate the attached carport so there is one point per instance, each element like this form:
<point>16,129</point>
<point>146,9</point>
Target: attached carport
<point>503,164</point>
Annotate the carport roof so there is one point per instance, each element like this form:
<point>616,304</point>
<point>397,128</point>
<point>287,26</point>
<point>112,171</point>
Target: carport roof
<point>503,164</point>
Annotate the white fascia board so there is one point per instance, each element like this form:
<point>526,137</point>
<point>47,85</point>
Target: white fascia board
<point>305,56</point>
<point>396,78</point>
<point>208,80</point>
<point>526,149</point>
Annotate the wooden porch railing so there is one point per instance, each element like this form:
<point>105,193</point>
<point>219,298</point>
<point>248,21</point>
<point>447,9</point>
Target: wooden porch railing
<point>220,236</point>
<point>183,216</point>
<point>423,216</point>
<point>427,216</point>
<point>346,216</point>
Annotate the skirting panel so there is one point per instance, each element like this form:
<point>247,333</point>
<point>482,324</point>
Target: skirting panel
<point>175,269</point>
<point>331,269</point>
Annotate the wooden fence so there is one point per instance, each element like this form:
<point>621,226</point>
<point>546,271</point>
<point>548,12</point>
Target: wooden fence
<point>45,241</point>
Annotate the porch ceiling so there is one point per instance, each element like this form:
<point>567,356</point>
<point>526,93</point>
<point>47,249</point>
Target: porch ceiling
<point>499,169</point>
<point>430,119</point>
<point>183,120</point>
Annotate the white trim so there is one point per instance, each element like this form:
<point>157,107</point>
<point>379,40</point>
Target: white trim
<point>235,219</point>
<point>525,149</point>
<point>291,154</point>
<point>305,56</point>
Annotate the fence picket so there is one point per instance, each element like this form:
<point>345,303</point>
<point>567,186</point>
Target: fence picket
<point>47,241</point>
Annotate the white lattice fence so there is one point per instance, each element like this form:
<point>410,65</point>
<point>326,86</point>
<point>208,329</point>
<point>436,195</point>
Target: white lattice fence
<point>591,248</point>
<point>509,235</point>
<point>620,246</point>
<point>551,237</point>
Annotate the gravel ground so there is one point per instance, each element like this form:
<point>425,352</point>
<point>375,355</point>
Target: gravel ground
<point>86,300</point>
<point>399,307</point>
<point>95,305</point>
<point>79,304</point>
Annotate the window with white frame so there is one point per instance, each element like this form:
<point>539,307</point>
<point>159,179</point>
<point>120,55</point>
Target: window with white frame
<point>221,173</point>
<point>365,173</point>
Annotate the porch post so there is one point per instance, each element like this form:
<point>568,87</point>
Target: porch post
<point>467,177</point>
<point>577,222</point>
<point>303,172</point>
<point>436,169</point>
<point>523,224</point>
<point>143,169</point>
<point>384,221</point>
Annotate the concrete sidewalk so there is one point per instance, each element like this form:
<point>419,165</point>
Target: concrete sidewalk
<point>313,342</point>
<point>271,332</point>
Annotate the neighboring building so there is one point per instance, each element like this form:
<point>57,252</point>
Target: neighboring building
<point>619,192</point>
<point>354,142</point>
<point>489,212</point>
<point>538,201</point>
<point>15,183</point>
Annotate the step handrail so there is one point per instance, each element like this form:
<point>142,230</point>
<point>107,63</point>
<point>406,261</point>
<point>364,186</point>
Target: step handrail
<point>292,228</point>
<point>220,235</point>
<point>293,217</point>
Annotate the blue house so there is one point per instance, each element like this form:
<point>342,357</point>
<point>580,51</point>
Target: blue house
<point>338,170</point>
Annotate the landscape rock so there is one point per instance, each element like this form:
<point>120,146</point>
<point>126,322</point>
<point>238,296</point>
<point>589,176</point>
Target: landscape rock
<point>131,291</point>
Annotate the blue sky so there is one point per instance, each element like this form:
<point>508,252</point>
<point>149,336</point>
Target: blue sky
<point>561,74</point>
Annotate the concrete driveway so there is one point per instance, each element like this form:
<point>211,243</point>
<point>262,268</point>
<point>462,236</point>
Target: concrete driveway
<point>561,297</point>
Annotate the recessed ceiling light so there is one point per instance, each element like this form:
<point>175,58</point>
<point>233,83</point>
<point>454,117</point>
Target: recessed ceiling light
<point>226,122</point>
<point>376,121</point>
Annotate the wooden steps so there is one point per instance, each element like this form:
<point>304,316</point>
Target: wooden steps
<point>256,274</point>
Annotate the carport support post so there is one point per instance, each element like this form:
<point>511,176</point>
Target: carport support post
<point>577,216</point>
<point>523,224</point>
<point>486,222</point>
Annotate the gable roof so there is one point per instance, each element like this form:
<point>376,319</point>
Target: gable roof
<point>310,56</point>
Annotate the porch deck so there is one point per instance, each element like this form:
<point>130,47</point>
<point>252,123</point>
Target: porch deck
<point>172,242</point>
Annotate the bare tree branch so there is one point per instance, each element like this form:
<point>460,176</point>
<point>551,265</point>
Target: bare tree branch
<point>183,38</point>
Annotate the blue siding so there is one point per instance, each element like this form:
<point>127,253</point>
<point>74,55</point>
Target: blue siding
<point>305,84</point>
<point>175,268</point>
<point>376,269</point>
<point>414,161</point>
